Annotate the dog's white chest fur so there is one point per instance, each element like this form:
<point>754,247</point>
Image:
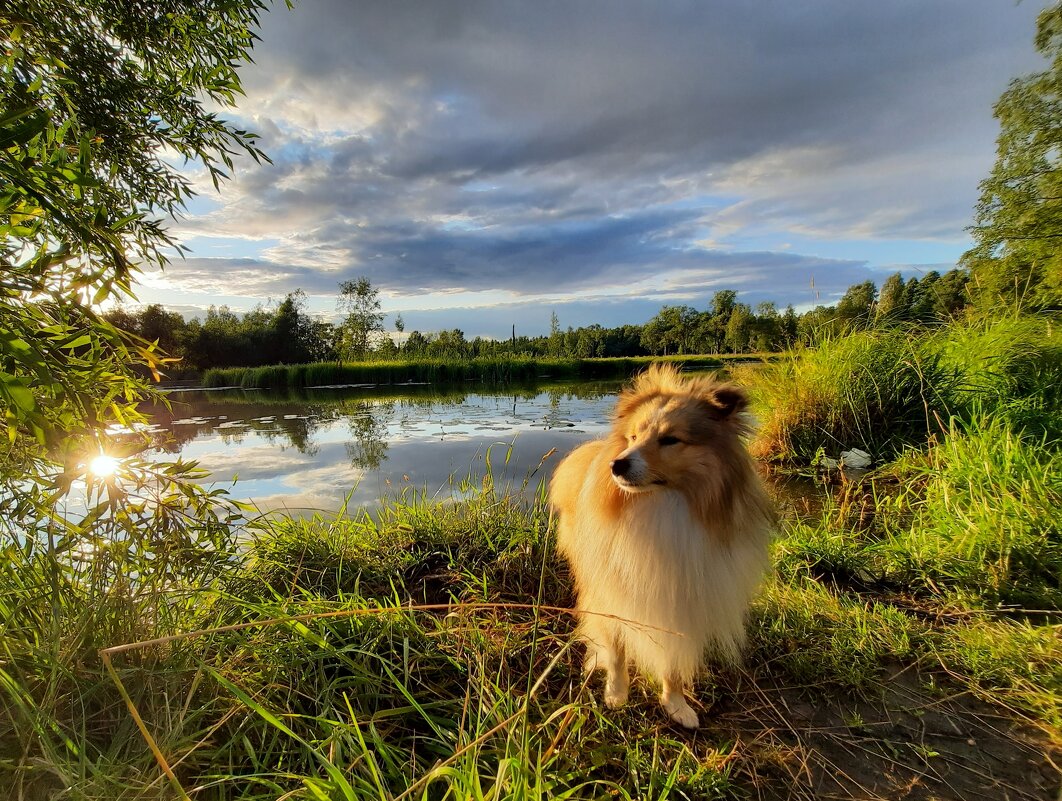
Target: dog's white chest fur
<point>684,590</point>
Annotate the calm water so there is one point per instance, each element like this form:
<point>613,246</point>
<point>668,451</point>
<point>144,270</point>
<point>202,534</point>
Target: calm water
<point>309,451</point>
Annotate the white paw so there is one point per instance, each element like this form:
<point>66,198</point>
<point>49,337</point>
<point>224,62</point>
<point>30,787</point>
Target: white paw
<point>615,698</point>
<point>680,712</point>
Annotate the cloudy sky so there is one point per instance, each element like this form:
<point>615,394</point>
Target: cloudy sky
<point>486,163</point>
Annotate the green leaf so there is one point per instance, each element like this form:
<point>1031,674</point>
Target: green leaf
<point>17,393</point>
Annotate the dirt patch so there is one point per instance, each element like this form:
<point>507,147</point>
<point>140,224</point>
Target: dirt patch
<point>904,741</point>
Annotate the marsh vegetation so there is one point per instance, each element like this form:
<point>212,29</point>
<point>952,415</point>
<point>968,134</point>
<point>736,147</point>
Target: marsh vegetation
<point>907,639</point>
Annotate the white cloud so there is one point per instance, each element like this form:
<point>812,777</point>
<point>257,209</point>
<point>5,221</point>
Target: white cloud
<point>497,153</point>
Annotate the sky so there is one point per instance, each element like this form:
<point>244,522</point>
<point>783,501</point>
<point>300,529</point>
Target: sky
<point>486,164</point>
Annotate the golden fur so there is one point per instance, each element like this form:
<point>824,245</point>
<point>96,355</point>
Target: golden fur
<point>665,523</point>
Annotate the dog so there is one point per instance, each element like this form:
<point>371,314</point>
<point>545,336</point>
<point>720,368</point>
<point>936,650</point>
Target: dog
<point>665,525</point>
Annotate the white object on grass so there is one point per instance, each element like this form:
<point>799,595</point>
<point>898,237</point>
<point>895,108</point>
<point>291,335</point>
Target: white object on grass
<point>855,458</point>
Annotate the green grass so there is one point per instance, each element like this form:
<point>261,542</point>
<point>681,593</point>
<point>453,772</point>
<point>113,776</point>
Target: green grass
<point>886,390</point>
<point>874,390</point>
<point>362,703</point>
<point>1011,367</point>
<point>975,517</point>
<point>438,371</point>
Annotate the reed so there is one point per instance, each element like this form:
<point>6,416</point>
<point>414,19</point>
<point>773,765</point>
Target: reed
<point>889,389</point>
<point>494,372</point>
<point>875,390</point>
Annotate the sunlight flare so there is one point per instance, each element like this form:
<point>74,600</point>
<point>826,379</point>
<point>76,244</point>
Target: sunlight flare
<point>103,466</point>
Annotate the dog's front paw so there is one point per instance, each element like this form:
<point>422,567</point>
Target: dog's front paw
<point>680,712</point>
<point>615,697</point>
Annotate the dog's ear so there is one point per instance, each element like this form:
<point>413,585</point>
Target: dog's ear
<point>725,401</point>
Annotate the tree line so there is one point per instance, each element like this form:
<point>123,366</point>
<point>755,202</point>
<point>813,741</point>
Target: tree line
<point>286,333</point>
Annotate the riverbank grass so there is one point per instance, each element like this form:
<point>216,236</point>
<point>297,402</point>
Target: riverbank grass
<point>886,390</point>
<point>505,371</point>
<point>422,652</point>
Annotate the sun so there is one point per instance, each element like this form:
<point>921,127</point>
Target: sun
<point>103,466</point>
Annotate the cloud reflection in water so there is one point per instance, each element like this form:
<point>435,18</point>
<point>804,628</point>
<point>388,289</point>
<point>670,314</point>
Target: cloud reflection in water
<point>308,451</point>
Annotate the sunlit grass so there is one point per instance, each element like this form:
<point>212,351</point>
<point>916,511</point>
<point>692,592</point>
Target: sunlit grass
<point>439,371</point>
<point>365,696</point>
<point>886,390</point>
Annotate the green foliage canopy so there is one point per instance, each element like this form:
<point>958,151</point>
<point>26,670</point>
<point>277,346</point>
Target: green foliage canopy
<point>361,302</point>
<point>1018,224</point>
<point>98,98</point>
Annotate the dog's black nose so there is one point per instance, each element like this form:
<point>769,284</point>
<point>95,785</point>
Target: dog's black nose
<point>620,467</point>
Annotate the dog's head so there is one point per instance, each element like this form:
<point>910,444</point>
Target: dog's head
<point>676,431</point>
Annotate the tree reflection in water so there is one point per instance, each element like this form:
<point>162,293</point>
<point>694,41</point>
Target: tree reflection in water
<point>368,422</point>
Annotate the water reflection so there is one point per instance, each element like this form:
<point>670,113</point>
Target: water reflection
<point>310,450</point>
<point>367,448</point>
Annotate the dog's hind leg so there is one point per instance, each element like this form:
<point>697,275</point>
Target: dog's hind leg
<point>675,704</point>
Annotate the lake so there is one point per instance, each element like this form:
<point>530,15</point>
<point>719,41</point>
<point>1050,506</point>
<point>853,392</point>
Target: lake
<point>308,451</point>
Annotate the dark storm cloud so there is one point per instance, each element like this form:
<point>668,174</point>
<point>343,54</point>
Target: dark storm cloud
<point>719,81</point>
<point>554,147</point>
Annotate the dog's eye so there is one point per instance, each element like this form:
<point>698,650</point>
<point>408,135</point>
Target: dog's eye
<point>667,439</point>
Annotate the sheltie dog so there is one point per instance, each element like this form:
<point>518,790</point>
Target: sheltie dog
<point>665,525</point>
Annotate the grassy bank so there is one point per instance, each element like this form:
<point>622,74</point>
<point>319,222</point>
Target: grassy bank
<point>417,667</point>
<point>412,393</point>
<point>886,390</point>
<point>487,371</point>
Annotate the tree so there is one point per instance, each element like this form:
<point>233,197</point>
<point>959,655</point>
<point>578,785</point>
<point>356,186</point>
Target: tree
<point>920,298</point>
<point>816,325</point>
<point>790,326</point>
<point>97,100</point>
<point>670,331</point>
<point>449,344</point>
<point>155,324</point>
<point>294,339</point>
<point>723,303</point>
<point>85,189</point>
<point>323,341</point>
<point>739,329</point>
<point>361,302</point>
<point>556,336</point>
<point>1017,255</point>
<point>711,328</point>
<point>856,308</point>
<point>416,345</point>
<point>892,306</point>
<point>951,294</point>
<point>766,328</point>
<point>624,341</point>
<point>590,342</point>
<point>400,327</point>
